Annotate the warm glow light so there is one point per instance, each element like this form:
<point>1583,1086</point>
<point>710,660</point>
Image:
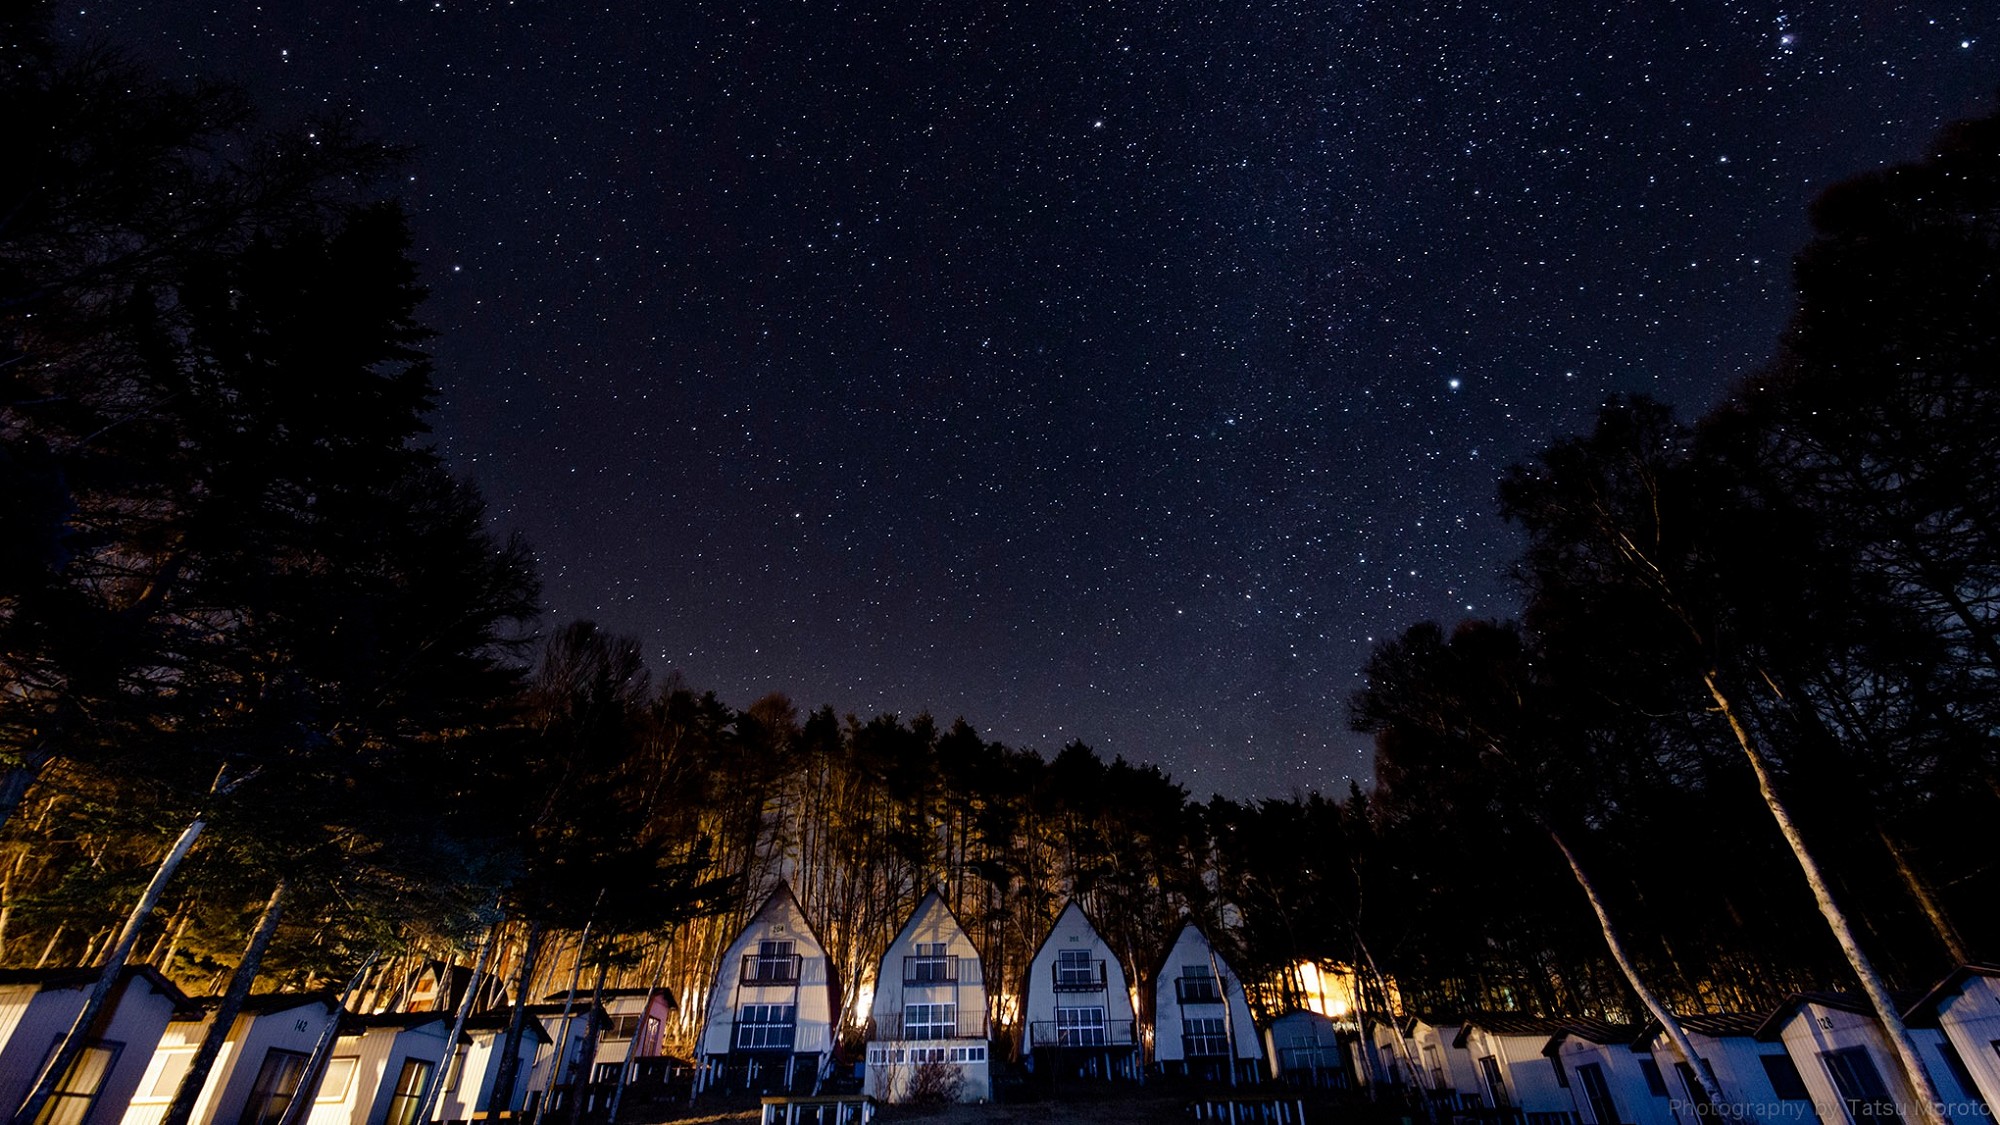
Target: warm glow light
<point>1333,991</point>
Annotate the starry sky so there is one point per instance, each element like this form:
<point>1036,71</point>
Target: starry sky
<point>1111,371</point>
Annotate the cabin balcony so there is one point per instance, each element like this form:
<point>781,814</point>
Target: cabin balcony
<point>1078,976</point>
<point>930,970</point>
<point>1111,1033</point>
<point>1197,990</point>
<point>893,1028</point>
<point>761,969</point>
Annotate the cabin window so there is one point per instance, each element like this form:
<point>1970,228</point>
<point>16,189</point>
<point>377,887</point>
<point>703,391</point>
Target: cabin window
<point>409,1091</point>
<point>173,1067</point>
<point>930,1021</point>
<point>622,1027</point>
<point>1197,984</point>
<point>339,1075</point>
<point>1656,1083</point>
<point>1205,1038</point>
<point>74,1096</point>
<point>1967,1088</point>
<point>1859,1084</point>
<point>277,1081</point>
<point>929,964</point>
<point>765,1027</point>
<point>775,962</point>
<point>1785,1079</point>
<point>1075,968</point>
<point>1437,1069</point>
<point>1080,1027</point>
<point>1689,1082</point>
<point>1597,1092</point>
<point>456,1073</point>
<point>1489,1068</point>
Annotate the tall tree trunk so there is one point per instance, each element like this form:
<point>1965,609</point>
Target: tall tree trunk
<point>507,1070</point>
<point>1836,919</point>
<point>15,779</point>
<point>1669,1022</point>
<point>442,1071</point>
<point>315,1073</point>
<point>78,1036</point>
<point>181,1109</point>
<point>1921,891</point>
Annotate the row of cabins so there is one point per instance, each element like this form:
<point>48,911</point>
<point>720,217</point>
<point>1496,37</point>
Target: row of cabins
<point>1817,1059</point>
<point>771,1017</point>
<point>374,1074</point>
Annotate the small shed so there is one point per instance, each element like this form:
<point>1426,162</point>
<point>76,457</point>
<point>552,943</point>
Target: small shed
<point>1965,1009</point>
<point>37,1008</point>
<point>1851,1071</point>
<point>260,1066</point>
<point>1306,1048</point>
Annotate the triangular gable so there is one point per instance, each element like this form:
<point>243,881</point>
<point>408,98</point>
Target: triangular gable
<point>1096,934</point>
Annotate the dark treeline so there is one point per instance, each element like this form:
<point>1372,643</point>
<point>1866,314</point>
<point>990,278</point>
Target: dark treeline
<point>275,712</point>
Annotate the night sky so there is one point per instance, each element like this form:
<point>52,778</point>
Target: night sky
<point>1112,372</point>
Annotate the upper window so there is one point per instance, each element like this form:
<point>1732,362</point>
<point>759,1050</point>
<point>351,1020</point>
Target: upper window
<point>74,1096</point>
<point>1197,983</point>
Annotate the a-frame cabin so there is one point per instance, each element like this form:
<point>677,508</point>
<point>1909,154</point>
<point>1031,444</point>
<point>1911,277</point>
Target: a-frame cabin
<point>1202,1024</point>
<point>769,1024</point>
<point>927,1026</point>
<point>1079,1011</point>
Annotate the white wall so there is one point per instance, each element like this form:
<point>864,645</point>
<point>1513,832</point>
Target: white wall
<point>1191,948</point>
<point>1971,1020</point>
<point>779,919</point>
<point>1073,931</point>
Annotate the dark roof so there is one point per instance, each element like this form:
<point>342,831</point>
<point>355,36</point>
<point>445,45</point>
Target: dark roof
<point>402,1021</point>
<point>56,980</point>
<point>264,1002</point>
<point>498,1021</point>
<point>1924,1012</point>
<point>1773,1026</point>
<point>1716,1025</point>
<point>1555,1028</point>
<point>584,994</point>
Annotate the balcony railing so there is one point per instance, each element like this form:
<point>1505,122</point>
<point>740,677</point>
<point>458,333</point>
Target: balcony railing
<point>1204,1046</point>
<point>1112,1033</point>
<point>930,970</point>
<point>759,969</point>
<point>1084,976</point>
<point>968,1025</point>
<point>1197,990</point>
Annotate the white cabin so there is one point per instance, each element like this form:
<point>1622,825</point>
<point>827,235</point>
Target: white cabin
<point>770,1017</point>
<point>468,1087</point>
<point>1506,1053</point>
<point>1759,1083</point>
<point>927,1029</point>
<point>257,1071</point>
<point>1444,1069</point>
<point>1079,1012</point>
<point>1305,1049</point>
<point>1201,1022</point>
<point>1609,1082</point>
<point>37,1008</point>
<point>379,1067</point>
<point>1965,1008</point>
<point>1850,1069</point>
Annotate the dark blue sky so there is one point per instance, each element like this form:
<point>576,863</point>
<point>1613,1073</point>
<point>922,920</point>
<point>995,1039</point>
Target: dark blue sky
<point>1103,371</point>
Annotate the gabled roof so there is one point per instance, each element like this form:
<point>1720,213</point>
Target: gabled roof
<point>1924,1012</point>
<point>917,913</point>
<point>1715,1025</point>
<point>1773,1026</point>
<point>1553,1028</point>
<point>352,1024</point>
<point>583,995</point>
<point>497,1022</point>
<point>58,980</point>
<point>1068,906</point>
<point>1160,974</point>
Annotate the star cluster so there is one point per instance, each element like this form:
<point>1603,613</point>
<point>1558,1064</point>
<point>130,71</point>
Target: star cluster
<point>1107,371</point>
